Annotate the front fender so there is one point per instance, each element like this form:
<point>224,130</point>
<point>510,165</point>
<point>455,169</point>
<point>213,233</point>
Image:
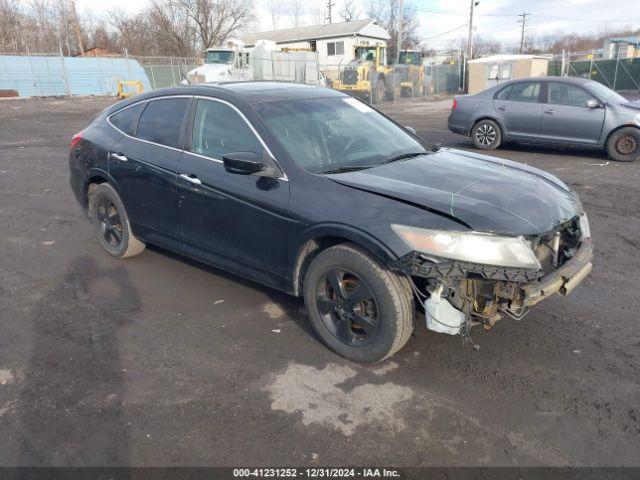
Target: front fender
<point>317,236</point>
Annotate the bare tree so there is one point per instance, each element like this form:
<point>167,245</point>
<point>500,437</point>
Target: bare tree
<point>349,11</point>
<point>213,20</point>
<point>387,12</point>
<point>318,12</point>
<point>275,8</point>
<point>297,10</point>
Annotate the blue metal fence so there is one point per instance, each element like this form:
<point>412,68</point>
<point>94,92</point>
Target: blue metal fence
<point>45,76</point>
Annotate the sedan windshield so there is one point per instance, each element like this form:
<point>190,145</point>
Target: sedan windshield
<point>606,94</point>
<point>334,134</point>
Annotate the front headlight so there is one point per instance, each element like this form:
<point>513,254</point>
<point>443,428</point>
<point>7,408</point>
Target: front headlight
<point>472,247</point>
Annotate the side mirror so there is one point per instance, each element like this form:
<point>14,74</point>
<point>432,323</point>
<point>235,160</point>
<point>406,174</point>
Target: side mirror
<point>410,129</point>
<point>243,163</point>
<point>593,103</point>
<point>250,163</point>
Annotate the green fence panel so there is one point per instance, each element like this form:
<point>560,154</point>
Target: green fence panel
<point>622,74</point>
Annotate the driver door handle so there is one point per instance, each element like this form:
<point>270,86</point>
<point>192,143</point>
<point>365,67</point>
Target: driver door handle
<point>550,111</point>
<point>191,179</point>
<point>120,157</point>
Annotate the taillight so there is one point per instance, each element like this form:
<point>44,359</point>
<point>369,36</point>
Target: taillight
<point>76,140</point>
<point>455,104</point>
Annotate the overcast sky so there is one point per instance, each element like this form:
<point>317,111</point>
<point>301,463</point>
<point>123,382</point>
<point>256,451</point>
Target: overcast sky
<point>494,18</point>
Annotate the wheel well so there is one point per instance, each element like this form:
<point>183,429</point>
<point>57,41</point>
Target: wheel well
<point>310,250</point>
<point>92,183</point>
<point>615,130</point>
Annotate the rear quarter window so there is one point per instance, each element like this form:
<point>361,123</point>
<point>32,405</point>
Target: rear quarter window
<point>504,93</point>
<point>126,120</point>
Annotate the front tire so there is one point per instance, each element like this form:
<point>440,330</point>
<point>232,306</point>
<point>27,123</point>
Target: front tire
<point>486,135</point>
<point>624,144</point>
<point>112,222</point>
<point>358,308</point>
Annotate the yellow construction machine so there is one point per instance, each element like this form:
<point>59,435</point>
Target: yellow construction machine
<point>367,76</point>
<point>410,72</point>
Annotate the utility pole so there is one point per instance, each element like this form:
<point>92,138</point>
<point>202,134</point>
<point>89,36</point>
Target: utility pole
<point>329,5</point>
<point>77,27</point>
<point>399,45</point>
<point>469,46</point>
<point>465,80</point>
<point>524,22</point>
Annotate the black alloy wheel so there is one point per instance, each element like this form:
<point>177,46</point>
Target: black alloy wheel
<point>359,308</point>
<point>110,223</point>
<point>348,307</point>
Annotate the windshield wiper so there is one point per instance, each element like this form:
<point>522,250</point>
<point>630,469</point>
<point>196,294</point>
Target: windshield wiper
<point>348,168</point>
<point>403,156</point>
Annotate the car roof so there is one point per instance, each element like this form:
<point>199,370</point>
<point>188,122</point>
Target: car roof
<point>574,80</point>
<point>252,93</point>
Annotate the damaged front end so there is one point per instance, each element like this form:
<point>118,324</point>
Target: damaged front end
<point>457,294</point>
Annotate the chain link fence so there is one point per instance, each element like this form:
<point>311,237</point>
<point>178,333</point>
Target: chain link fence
<point>391,84</point>
<point>620,74</point>
<point>167,71</point>
<point>55,75</point>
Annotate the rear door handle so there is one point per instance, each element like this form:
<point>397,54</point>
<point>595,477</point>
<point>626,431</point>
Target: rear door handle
<point>191,179</point>
<point>502,107</point>
<point>119,157</point>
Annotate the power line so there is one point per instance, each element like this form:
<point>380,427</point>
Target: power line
<point>511,15</point>
<point>447,32</point>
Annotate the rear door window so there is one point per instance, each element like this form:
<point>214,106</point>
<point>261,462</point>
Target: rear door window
<point>524,92</point>
<point>161,121</point>
<point>126,120</point>
<point>218,129</point>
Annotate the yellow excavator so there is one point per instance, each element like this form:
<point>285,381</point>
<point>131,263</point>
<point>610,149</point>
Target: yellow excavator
<point>367,76</point>
<point>410,72</point>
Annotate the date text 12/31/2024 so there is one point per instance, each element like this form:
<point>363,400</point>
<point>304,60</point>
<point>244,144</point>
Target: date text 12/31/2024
<point>315,473</point>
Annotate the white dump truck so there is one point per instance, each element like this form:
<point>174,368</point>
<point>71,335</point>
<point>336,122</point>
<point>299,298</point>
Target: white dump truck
<point>222,64</point>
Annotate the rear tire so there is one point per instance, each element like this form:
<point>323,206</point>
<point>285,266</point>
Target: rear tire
<point>112,222</point>
<point>368,316</point>
<point>624,145</point>
<point>486,135</point>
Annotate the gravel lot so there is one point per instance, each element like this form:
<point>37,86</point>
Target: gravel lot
<point>158,360</point>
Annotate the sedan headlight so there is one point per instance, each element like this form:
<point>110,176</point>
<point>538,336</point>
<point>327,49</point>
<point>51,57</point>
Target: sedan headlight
<point>470,246</point>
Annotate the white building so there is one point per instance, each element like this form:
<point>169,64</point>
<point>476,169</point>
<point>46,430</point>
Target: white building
<point>334,42</point>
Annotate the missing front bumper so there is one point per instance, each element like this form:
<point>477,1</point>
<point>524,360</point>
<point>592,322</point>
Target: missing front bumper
<point>564,280</point>
<point>484,293</point>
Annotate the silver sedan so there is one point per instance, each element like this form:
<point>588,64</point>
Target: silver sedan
<point>550,110</point>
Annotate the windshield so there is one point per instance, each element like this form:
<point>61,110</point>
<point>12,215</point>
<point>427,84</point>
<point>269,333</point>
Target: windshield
<point>326,134</point>
<point>606,94</point>
<point>366,53</point>
<point>409,58</point>
<point>218,56</point>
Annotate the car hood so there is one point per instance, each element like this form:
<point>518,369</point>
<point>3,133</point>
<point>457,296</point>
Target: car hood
<point>484,193</point>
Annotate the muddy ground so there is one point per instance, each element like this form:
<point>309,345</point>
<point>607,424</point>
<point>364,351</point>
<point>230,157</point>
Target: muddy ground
<point>158,360</point>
